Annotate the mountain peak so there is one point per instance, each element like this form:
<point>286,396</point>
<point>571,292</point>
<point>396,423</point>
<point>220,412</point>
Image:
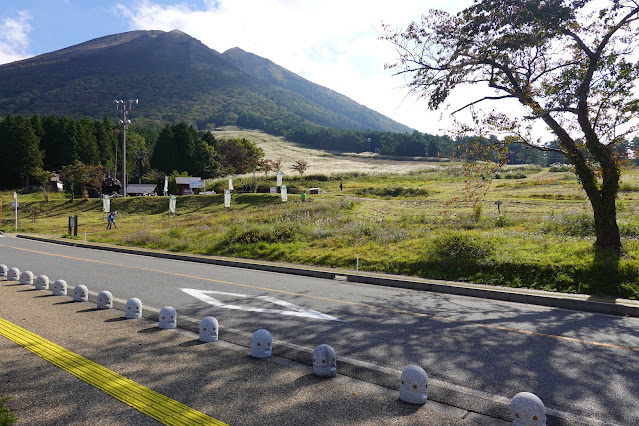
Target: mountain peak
<point>177,78</point>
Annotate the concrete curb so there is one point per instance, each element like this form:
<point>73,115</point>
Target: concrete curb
<point>575,302</point>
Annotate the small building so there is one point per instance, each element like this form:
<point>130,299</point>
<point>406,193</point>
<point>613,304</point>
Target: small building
<point>189,185</point>
<point>54,184</point>
<point>137,189</point>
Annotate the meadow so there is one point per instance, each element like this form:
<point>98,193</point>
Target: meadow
<point>534,228</point>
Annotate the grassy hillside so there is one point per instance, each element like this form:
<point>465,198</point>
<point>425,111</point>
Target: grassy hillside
<point>541,236</point>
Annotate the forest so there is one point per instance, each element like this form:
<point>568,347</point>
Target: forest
<point>36,147</point>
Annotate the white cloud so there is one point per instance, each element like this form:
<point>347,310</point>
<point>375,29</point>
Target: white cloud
<point>14,37</point>
<point>334,43</point>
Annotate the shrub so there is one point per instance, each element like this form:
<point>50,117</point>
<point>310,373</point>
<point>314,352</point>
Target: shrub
<point>557,168</point>
<point>393,191</point>
<point>581,225</point>
<point>462,248</point>
<point>6,418</point>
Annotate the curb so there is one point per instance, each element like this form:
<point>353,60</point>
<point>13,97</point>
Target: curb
<point>574,302</point>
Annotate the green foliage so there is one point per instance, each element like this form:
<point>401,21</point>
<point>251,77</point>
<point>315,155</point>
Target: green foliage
<point>6,418</point>
<point>238,155</point>
<point>393,191</point>
<point>580,225</point>
<point>22,154</point>
<point>462,248</point>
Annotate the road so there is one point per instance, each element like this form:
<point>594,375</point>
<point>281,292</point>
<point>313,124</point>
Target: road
<point>576,362</point>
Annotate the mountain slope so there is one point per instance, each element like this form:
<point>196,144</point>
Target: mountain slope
<point>267,70</point>
<point>176,78</point>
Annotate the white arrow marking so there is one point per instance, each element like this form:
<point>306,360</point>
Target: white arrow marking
<point>295,310</point>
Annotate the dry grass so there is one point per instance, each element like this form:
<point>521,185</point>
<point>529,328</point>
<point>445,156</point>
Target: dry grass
<point>320,161</point>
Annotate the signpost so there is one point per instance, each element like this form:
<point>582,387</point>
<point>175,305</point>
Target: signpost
<point>106,205</point>
<point>284,194</point>
<point>172,201</point>
<point>279,178</point>
<point>230,182</point>
<point>15,205</point>
<point>227,198</point>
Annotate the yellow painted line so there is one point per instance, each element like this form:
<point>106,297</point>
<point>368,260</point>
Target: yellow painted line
<point>143,399</point>
<point>343,302</point>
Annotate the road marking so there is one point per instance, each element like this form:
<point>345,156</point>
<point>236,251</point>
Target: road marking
<point>344,302</point>
<point>294,310</point>
<point>143,399</point>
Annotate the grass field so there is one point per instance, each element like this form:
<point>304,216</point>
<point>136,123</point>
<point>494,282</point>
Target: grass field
<point>397,213</point>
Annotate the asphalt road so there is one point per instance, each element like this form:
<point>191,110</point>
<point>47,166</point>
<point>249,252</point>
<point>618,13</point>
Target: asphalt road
<point>576,362</point>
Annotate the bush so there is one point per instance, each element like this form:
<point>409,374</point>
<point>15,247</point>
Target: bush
<point>581,225</point>
<point>6,418</point>
<point>266,234</point>
<point>462,248</point>
<point>393,191</point>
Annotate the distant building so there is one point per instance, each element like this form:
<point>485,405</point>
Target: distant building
<point>137,189</point>
<point>54,184</point>
<point>189,185</point>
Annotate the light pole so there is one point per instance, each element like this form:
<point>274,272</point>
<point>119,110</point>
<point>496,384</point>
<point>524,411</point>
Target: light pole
<point>125,107</point>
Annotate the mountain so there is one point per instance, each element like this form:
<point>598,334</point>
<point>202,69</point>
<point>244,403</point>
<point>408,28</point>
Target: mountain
<point>177,78</point>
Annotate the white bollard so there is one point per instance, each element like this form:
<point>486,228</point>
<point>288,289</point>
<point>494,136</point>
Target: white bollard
<point>414,386</point>
<point>133,308</point>
<point>3,270</point>
<point>209,329</point>
<point>168,318</point>
<point>261,344</point>
<point>324,361</point>
<point>42,282</point>
<point>13,274</point>
<point>528,410</point>
<point>59,288</point>
<point>26,278</point>
<point>105,300</point>
<point>80,293</point>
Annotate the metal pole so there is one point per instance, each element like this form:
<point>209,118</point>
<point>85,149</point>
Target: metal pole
<point>124,150</point>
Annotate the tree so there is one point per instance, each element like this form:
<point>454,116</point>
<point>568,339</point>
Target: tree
<point>569,66</point>
<point>74,174</point>
<point>238,156</point>
<point>265,165</point>
<point>21,147</point>
<point>300,166</point>
<point>42,177</point>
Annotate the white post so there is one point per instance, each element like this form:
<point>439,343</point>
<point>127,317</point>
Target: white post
<point>357,264</point>
<point>15,203</point>
<point>85,236</point>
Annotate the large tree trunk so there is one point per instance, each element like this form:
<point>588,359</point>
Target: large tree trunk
<point>606,229</point>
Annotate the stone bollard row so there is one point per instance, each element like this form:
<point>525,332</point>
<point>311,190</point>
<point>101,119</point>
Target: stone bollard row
<point>3,270</point>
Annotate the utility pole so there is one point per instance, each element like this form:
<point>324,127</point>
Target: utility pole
<point>125,108</point>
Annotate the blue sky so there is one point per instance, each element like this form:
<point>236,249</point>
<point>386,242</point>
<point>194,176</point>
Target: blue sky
<point>330,42</point>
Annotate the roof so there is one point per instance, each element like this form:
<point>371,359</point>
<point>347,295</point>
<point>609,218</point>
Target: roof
<point>186,180</point>
<point>143,188</point>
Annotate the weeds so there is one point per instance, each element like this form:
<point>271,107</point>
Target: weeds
<point>6,418</point>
